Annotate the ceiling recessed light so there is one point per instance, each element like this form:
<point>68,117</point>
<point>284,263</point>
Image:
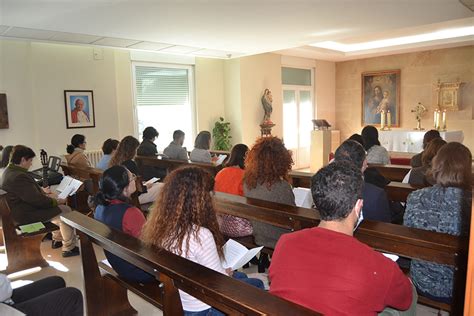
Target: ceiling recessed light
<point>412,39</point>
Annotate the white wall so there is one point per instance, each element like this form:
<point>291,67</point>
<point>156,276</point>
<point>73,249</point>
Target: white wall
<point>34,77</point>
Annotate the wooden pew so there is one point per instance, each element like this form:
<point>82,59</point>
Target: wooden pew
<point>392,172</point>
<point>400,240</point>
<point>23,251</point>
<point>396,191</point>
<point>170,164</point>
<point>227,294</point>
<point>79,200</point>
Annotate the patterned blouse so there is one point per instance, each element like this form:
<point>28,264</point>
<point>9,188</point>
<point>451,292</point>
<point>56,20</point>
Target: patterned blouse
<point>441,210</point>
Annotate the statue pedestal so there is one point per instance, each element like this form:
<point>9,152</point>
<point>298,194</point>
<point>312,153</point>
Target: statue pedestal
<point>266,129</point>
<point>320,149</point>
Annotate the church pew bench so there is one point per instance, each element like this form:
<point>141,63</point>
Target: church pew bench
<point>392,172</point>
<point>23,251</point>
<point>104,297</point>
<point>396,191</point>
<point>79,200</point>
<point>171,164</point>
<point>400,240</point>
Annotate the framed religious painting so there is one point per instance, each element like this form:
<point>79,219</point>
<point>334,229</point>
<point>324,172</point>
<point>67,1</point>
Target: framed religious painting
<point>380,94</point>
<point>79,107</point>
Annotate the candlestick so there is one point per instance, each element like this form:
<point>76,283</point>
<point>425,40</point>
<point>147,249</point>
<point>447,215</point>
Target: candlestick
<point>444,120</point>
<point>382,119</point>
<point>435,118</point>
<point>389,119</point>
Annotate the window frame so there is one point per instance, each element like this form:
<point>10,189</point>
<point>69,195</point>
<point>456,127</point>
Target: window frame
<point>191,87</point>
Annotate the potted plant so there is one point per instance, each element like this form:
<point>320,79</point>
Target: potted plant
<point>221,134</point>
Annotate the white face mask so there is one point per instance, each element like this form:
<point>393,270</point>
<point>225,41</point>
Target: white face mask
<point>359,220</point>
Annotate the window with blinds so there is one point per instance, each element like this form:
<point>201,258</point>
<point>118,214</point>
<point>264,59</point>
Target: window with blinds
<point>163,99</point>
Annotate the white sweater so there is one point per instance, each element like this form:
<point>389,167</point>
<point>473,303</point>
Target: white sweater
<point>205,253</point>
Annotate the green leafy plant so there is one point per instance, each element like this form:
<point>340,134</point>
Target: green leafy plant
<point>221,134</point>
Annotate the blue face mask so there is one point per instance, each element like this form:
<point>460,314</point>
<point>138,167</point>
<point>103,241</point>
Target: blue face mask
<point>359,220</point>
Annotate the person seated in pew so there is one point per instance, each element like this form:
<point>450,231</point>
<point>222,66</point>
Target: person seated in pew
<point>45,297</point>
<point>444,208</point>
<point>108,148</point>
<point>427,138</point>
<point>184,222</point>
<point>267,166</point>
<point>124,155</point>
<point>113,208</point>
<point>229,180</point>
<point>376,154</point>
<point>76,152</point>
<point>6,153</point>
<point>175,149</point>
<point>376,206</point>
<point>419,175</point>
<point>371,175</point>
<point>326,269</point>
<point>202,144</point>
<point>148,148</point>
<point>29,203</point>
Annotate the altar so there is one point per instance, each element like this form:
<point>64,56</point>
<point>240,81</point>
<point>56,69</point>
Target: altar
<point>411,141</point>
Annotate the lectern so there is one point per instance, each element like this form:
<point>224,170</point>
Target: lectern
<point>320,145</point>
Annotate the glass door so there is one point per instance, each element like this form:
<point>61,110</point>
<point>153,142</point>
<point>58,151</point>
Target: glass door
<point>297,125</point>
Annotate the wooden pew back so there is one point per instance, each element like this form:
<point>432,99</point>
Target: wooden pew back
<point>23,251</point>
<point>227,294</point>
<point>171,164</point>
<point>396,191</point>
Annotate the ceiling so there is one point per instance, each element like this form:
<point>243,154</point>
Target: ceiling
<point>231,28</point>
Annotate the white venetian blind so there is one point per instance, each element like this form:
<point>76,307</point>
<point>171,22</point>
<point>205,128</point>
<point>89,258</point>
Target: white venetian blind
<point>157,86</point>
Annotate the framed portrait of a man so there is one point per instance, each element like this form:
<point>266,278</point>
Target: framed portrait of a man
<point>79,108</point>
<point>380,92</point>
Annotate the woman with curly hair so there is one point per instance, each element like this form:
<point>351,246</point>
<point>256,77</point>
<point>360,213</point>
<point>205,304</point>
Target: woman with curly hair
<point>229,180</point>
<point>184,222</point>
<point>266,178</point>
<point>124,155</point>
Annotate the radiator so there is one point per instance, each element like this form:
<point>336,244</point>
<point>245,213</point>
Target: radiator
<point>94,156</point>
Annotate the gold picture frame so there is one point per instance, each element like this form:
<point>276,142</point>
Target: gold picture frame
<point>448,95</point>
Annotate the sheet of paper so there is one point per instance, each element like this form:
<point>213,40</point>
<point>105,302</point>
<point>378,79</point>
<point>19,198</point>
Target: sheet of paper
<point>67,191</point>
<point>152,180</point>
<point>64,183</point>
<point>303,197</point>
<point>391,256</point>
<point>75,184</point>
<point>31,228</point>
<point>237,255</point>
<point>220,159</point>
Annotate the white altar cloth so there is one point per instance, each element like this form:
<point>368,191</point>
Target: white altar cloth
<point>412,141</point>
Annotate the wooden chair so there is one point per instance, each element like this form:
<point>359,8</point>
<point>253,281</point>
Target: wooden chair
<point>106,295</point>
<point>23,250</point>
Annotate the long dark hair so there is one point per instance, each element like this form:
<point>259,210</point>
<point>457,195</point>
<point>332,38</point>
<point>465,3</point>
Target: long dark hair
<point>203,140</point>
<point>183,206</point>
<point>237,156</point>
<point>76,140</point>
<point>370,135</point>
<point>114,180</point>
<point>126,150</point>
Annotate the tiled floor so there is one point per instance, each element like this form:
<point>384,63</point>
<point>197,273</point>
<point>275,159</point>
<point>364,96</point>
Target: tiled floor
<point>71,270</point>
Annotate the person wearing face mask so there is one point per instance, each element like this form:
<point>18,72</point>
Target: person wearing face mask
<point>326,269</point>
<point>376,206</point>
